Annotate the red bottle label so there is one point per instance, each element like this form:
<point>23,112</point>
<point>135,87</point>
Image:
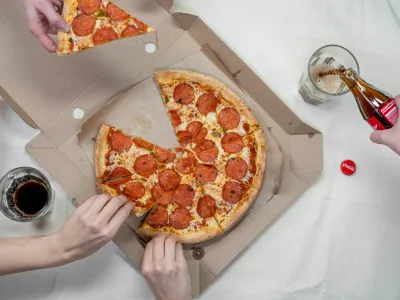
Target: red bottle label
<point>389,111</point>
<point>376,125</point>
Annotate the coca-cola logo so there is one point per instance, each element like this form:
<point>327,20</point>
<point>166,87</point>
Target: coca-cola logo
<point>348,167</point>
<point>351,168</point>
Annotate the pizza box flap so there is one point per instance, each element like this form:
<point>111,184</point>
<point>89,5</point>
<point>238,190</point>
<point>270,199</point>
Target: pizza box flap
<point>45,90</point>
<point>43,85</point>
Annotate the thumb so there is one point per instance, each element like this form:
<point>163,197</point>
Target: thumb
<point>381,136</point>
<point>53,17</point>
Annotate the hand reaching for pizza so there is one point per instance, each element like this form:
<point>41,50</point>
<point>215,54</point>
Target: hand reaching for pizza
<point>43,20</point>
<point>92,225</point>
<point>165,269</point>
<point>389,137</point>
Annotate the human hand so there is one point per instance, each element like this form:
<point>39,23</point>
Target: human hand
<point>389,137</point>
<point>91,226</point>
<point>44,20</point>
<point>165,269</point>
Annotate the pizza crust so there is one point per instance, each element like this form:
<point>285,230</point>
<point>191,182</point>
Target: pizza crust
<point>239,211</point>
<point>106,189</point>
<point>261,159</point>
<point>100,151</point>
<point>169,77</point>
<point>201,235</point>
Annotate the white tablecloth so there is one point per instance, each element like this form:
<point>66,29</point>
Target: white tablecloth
<point>340,239</point>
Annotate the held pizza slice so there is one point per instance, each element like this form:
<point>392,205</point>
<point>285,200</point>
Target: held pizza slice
<point>95,22</point>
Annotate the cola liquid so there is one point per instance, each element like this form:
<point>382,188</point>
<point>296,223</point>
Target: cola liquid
<point>377,107</point>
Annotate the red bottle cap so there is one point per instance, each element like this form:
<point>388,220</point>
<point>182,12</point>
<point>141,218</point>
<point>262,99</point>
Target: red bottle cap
<point>348,167</point>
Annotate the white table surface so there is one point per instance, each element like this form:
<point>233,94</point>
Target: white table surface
<point>340,239</point>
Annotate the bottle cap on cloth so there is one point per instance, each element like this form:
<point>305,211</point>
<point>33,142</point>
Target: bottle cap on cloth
<point>348,167</point>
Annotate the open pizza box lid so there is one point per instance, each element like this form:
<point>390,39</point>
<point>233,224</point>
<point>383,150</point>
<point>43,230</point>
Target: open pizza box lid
<point>108,82</point>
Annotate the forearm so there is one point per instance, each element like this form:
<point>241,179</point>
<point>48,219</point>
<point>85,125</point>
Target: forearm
<point>29,253</point>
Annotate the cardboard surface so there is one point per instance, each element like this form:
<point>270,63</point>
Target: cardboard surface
<point>45,89</point>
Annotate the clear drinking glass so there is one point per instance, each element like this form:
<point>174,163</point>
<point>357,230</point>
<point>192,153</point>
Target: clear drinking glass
<point>317,90</point>
<point>14,185</point>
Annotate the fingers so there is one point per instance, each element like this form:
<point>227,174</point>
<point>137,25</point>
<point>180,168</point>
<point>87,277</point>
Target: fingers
<point>98,203</point>
<point>158,247</point>
<point>111,208</point>
<point>52,16</point>
<point>148,255</point>
<point>397,99</point>
<point>119,218</point>
<point>85,205</point>
<point>170,243</point>
<point>381,136</point>
<point>179,253</point>
<point>45,41</point>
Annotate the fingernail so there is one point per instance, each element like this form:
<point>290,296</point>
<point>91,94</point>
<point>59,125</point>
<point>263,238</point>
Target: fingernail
<point>66,27</point>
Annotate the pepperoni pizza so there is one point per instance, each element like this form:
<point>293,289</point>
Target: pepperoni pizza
<point>200,189</point>
<point>95,22</point>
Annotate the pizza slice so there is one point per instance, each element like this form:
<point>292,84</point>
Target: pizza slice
<point>187,214</point>
<point>95,22</point>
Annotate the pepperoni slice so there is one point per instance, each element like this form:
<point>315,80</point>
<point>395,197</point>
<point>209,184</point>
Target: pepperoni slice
<point>129,31</point>
<point>104,35</point>
<point>83,24</point>
<point>119,172</point>
<point>194,128</point>
<point>115,13</point>
<point>175,118</point>
<point>232,142</point>
<point>164,156</point>
<point>205,173</point>
<point>186,165</point>
<point>156,192</point>
<point>207,103</point>
<point>184,195</point>
<point>206,151</point>
<point>236,168</point>
<point>229,118</point>
<point>166,198</point>
<point>169,179</point>
<point>145,165</point>
<point>201,136</point>
<point>184,137</point>
<point>143,144</point>
<point>120,142</point>
<point>208,155</point>
<point>197,130</point>
<point>184,94</point>
<point>134,190</point>
<point>206,207</point>
<point>158,217</point>
<point>232,192</point>
<point>180,218</point>
<point>207,144</point>
<point>89,6</point>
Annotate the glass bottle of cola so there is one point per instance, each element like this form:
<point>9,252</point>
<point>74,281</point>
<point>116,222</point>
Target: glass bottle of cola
<point>377,107</point>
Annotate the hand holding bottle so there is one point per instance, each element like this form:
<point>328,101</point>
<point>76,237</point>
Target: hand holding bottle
<point>389,137</point>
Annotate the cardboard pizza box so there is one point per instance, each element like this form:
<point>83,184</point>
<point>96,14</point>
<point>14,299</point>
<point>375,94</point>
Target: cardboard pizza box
<point>48,92</point>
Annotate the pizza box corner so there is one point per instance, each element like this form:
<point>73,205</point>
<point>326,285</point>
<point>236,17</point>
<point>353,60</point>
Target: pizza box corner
<point>66,98</point>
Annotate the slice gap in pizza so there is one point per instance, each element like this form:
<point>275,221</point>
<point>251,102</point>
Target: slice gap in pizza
<point>96,22</point>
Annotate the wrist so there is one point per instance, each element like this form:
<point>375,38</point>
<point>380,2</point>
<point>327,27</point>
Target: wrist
<point>56,251</point>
